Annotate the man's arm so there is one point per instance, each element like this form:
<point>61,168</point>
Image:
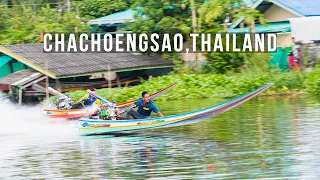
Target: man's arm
<point>155,110</point>
<point>81,99</point>
<point>160,114</point>
<point>139,101</point>
<point>134,105</point>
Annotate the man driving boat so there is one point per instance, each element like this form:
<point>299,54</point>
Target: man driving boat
<point>145,107</point>
<point>87,100</point>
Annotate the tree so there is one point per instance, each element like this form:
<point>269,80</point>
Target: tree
<point>219,10</point>
<point>250,15</point>
<point>162,16</point>
<point>194,15</point>
<point>99,8</point>
<point>211,11</point>
<point>220,62</point>
<point>23,25</point>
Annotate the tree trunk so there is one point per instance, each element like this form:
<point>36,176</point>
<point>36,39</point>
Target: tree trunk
<point>252,27</point>
<point>199,24</point>
<point>194,27</point>
<point>225,27</point>
<point>252,31</point>
<point>194,19</point>
<point>67,5</point>
<point>194,15</point>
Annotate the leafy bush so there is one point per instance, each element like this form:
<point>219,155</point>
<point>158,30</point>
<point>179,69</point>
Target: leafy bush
<point>100,8</point>
<point>312,84</point>
<point>258,62</point>
<point>22,25</point>
<point>222,62</point>
<point>194,86</point>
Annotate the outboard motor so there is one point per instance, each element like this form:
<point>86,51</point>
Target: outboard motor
<point>109,111</point>
<point>64,102</point>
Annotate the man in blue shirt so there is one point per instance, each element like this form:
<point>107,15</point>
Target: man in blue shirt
<point>145,107</point>
<point>88,100</point>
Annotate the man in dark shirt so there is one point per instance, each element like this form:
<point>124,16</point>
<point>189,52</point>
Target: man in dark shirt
<point>145,107</point>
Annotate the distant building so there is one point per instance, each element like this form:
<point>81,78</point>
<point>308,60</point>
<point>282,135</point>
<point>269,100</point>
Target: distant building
<point>303,34</point>
<point>24,67</point>
<point>113,22</point>
<point>277,14</point>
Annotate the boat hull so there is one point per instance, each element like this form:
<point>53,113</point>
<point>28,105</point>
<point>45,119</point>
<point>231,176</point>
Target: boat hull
<point>66,114</point>
<point>89,126</point>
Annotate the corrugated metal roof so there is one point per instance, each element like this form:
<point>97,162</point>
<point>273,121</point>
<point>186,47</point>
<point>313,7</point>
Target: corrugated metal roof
<point>116,18</point>
<point>20,78</point>
<point>127,14</point>
<point>75,64</point>
<point>300,8</point>
<point>270,28</point>
<point>119,17</point>
<point>305,7</point>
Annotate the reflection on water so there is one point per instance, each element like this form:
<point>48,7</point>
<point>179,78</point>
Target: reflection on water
<point>263,138</point>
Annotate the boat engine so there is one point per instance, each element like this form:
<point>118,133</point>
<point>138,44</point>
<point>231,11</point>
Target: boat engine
<point>108,111</point>
<point>64,102</point>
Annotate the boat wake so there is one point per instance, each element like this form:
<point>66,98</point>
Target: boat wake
<point>28,120</point>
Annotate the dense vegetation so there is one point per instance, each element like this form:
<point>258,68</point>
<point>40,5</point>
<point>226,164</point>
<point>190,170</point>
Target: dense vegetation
<point>224,75</point>
<point>23,25</point>
<point>194,86</point>
<point>93,9</point>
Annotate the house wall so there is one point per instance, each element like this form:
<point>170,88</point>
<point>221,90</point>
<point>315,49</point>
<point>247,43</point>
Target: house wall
<point>157,72</point>
<point>191,57</point>
<point>284,40</point>
<point>5,69</point>
<point>276,14</point>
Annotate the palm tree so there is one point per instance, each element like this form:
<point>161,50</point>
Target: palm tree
<point>215,9</point>
<point>210,11</point>
<point>250,16</point>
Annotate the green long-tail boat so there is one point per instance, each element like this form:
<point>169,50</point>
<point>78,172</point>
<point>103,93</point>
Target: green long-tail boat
<point>96,126</point>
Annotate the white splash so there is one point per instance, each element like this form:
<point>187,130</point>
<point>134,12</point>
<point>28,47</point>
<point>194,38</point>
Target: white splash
<point>29,120</point>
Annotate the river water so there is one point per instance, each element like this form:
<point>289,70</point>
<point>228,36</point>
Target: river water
<point>264,138</point>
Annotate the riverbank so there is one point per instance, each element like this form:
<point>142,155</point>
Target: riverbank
<point>195,86</point>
